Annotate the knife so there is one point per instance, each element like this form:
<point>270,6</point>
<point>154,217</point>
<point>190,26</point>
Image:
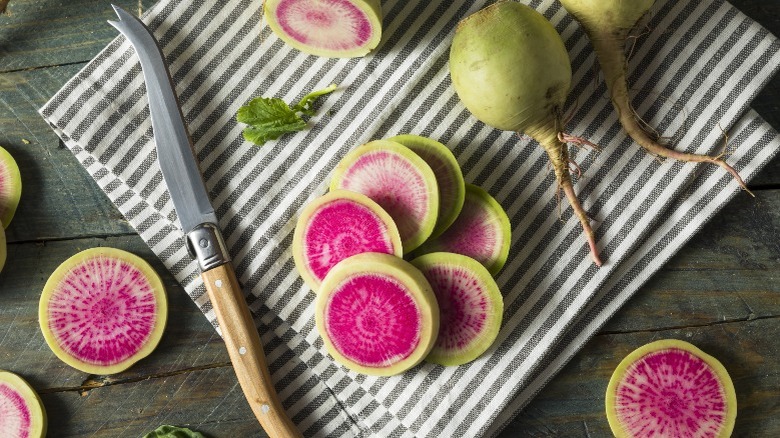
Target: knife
<point>202,234</point>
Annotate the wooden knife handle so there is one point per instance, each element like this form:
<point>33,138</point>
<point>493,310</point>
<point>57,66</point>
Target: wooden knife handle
<point>246,351</point>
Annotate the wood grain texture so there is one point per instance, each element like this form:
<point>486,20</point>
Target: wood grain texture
<point>720,292</point>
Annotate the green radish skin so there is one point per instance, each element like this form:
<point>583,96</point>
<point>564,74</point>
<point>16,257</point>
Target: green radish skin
<point>10,187</point>
<point>511,70</point>
<point>471,307</point>
<point>22,414</point>
<point>449,177</point>
<point>607,24</point>
<point>328,28</point>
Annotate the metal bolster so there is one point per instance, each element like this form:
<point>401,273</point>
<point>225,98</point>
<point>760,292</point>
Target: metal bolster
<point>205,243</point>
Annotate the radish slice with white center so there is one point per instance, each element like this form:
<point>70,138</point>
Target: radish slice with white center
<point>449,177</point>
<point>329,28</point>
<point>336,226</point>
<point>671,388</point>
<point>102,310</point>
<point>21,410</point>
<point>482,231</point>
<point>470,304</point>
<point>377,314</point>
<point>398,180</point>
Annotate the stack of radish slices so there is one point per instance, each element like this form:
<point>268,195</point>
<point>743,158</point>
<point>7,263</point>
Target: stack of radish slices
<point>391,200</point>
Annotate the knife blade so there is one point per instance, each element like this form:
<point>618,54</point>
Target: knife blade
<point>199,224</point>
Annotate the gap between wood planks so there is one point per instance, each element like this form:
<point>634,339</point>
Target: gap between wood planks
<point>41,67</point>
<point>95,381</point>
<point>748,318</point>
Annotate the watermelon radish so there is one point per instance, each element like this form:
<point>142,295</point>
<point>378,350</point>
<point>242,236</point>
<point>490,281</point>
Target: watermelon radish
<point>330,28</point>
<point>449,177</point>
<point>482,231</point>
<point>671,388</point>
<point>470,304</point>
<point>336,226</point>
<point>377,314</point>
<point>10,187</point>
<point>398,180</point>
<point>102,310</point>
<point>21,411</point>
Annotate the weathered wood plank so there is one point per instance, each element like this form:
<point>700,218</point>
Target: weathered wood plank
<point>728,271</point>
<point>572,405</point>
<point>35,34</point>
<point>59,199</point>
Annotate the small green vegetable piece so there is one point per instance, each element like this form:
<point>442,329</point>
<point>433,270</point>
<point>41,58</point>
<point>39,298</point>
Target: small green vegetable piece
<point>167,431</point>
<point>269,117</point>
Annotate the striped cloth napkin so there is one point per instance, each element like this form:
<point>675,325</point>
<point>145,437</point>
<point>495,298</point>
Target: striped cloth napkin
<point>693,76</point>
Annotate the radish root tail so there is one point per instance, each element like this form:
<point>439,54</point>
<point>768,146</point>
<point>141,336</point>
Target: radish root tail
<point>610,53</point>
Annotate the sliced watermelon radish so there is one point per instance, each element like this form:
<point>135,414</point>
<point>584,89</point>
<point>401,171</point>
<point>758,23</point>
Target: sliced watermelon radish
<point>21,411</point>
<point>336,226</point>
<point>10,187</point>
<point>330,28</point>
<point>449,177</point>
<point>102,310</point>
<point>377,314</point>
<point>470,304</point>
<point>482,231</point>
<point>399,181</point>
<point>670,388</point>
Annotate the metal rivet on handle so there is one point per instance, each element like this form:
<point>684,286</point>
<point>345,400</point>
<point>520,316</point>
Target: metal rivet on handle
<point>242,350</point>
<point>218,283</point>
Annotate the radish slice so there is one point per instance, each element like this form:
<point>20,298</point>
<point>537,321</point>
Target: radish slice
<point>449,177</point>
<point>329,28</point>
<point>398,180</point>
<point>336,226</point>
<point>671,388</point>
<point>21,410</point>
<point>470,304</point>
<point>482,231</point>
<point>10,187</point>
<point>377,314</point>
<point>102,310</point>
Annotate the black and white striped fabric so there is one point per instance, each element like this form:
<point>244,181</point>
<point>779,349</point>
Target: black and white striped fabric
<point>693,76</point>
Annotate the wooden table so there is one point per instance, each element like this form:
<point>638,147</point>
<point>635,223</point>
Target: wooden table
<point>721,292</point>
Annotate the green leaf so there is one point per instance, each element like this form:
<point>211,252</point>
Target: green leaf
<point>167,431</point>
<point>270,118</point>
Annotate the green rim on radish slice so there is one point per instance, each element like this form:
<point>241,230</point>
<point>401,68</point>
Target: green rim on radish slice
<point>10,187</point>
<point>471,306</point>
<point>339,225</point>
<point>449,177</point>
<point>102,310</point>
<point>329,28</point>
<point>398,180</point>
<point>21,410</point>
<point>482,231</point>
<point>671,388</point>
<point>377,314</point>
<point>511,70</point>
<point>608,24</point>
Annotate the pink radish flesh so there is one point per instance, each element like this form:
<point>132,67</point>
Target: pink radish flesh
<point>16,418</point>
<point>340,229</point>
<point>112,321</point>
<point>329,24</point>
<point>373,320</point>
<point>671,393</point>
